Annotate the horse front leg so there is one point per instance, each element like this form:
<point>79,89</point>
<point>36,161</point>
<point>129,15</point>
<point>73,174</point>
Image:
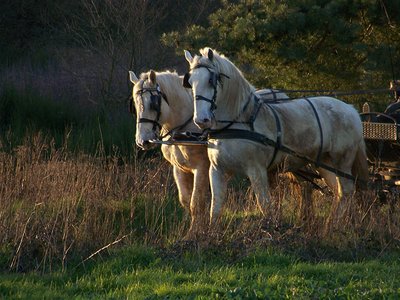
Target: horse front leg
<point>184,183</point>
<point>199,203</point>
<point>218,183</point>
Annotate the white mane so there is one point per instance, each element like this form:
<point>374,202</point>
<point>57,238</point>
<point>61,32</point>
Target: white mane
<point>234,90</point>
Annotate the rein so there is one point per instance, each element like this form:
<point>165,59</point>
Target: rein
<point>252,118</point>
<point>179,127</point>
<point>338,92</point>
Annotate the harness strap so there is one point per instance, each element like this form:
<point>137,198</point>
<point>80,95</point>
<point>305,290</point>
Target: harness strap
<point>278,144</point>
<point>262,139</point>
<point>252,118</point>
<point>256,109</point>
<point>179,127</point>
<point>320,130</point>
<point>164,96</point>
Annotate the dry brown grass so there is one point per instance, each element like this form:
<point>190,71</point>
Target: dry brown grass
<point>59,209</point>
<point>368,228</point>
<point>56,206</point>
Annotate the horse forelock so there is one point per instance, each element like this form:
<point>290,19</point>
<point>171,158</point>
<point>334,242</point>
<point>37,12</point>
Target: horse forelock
<point>169,82</point>
<point>171,85</point>
<point>234,89</point>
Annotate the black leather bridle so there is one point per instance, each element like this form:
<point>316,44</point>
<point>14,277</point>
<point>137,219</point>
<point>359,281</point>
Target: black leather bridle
<point>214,79</point>
<point>156,97</point>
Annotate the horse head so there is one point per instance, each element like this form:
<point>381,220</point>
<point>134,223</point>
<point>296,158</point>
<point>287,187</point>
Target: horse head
<point>148,102</point>
<point>204,79</point>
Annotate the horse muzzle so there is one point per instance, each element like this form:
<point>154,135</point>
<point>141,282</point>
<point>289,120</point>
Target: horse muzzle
<point>203,123</point>
<point>146,145</point>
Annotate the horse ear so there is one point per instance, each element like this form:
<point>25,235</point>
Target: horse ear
<point>152,77</point>
<point>133,78</point>
<point>210,54</point>
<point>188,56</point>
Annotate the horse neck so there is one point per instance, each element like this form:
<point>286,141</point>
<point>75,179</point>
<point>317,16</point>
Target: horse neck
<point>180,103</point>
<point>234,96</point>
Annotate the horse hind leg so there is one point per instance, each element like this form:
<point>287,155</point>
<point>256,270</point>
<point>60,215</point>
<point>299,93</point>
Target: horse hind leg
<point>360,167</point>
<point>306,208</point>
<point>345,195</point>
<point>343,189</point>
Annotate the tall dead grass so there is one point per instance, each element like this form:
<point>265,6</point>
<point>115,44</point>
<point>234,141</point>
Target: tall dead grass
<point>59,209</point>
<point>369,227</point>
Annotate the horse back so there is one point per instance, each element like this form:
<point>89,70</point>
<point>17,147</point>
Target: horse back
<point>303,122</point>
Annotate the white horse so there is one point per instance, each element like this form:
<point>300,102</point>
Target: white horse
<point>323,130</point>
<point>162,106</point>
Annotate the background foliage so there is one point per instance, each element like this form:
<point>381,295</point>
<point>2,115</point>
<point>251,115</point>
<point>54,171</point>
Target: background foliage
<point>78,53</point>
<point>304,44</point>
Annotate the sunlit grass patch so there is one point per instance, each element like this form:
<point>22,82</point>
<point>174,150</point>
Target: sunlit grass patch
<point>141,272</point>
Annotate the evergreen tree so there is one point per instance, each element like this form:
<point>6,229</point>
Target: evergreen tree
<point>306,44</point>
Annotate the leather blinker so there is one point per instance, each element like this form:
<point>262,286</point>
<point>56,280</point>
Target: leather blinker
<point>185,82</point>
<point>155,102</point>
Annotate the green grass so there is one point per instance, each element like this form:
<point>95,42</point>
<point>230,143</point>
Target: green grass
<point>138,272</point>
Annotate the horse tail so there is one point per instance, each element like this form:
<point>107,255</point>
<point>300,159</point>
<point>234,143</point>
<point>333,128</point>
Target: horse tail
<point>360,167</point>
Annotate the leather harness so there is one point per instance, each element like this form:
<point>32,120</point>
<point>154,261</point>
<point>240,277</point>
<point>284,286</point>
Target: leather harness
<point>228,133</point>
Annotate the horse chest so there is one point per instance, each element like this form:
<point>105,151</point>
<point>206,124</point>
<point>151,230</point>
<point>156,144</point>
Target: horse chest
<point>237,156</point>
<point>186,158</point>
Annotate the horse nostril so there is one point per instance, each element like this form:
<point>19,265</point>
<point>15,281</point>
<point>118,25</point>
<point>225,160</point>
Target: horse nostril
<point>202,123</point>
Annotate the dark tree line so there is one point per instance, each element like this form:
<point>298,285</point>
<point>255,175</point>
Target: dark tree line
<point>325,44</point>
<point>105,25</point>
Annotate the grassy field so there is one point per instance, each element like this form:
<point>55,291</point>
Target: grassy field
<point>81,226</point>
<point>137,272</point>
<point>83,215</point>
